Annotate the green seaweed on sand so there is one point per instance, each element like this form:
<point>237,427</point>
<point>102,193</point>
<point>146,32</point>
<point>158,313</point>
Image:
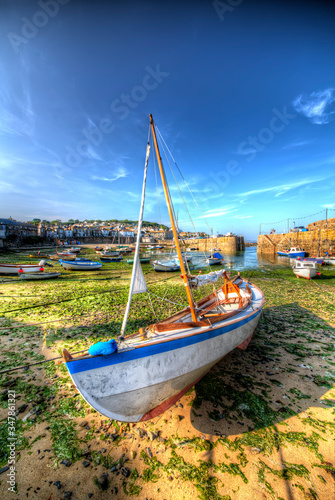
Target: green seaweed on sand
<point>197,443</point>
<point>245,403</point>
<point>65,440</point>
<point>5,438</point>
<point>287,473</point>
<point>326,381</point>
<point>328,467</point>
<point>299,394</point>
<point>199,476</point>
<point>130,488</point>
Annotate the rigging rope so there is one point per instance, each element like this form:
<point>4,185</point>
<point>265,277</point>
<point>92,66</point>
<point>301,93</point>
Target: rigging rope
<point>177,184</point>
<point>166,300</point>
<point>186,184</point>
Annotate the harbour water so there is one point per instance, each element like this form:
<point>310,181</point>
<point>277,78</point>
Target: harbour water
<point>239,262</point>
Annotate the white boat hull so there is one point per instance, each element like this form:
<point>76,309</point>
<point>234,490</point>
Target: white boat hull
<point>136,384</point>
<point>330,261</point>
<point>211,261</point>
<point>81,266</point>
<point>16,268</point>
<point>168,266</point>
<point>39,276</point>
<point>305,273</point>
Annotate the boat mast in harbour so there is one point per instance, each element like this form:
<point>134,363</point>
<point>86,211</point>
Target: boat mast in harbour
<point>173,225</point>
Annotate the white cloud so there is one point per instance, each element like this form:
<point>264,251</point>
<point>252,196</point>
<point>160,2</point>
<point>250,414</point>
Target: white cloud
<point>282,188</point>
<point>243,216</point>
<point>218,212</point>
<point>298,144</point>
<point>118,174</point>
<point>319,107</point>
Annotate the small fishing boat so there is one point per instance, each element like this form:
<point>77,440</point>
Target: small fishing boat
<point>109,254</point>
<point>125,250</point>
<point>215,258</point>
<point>143,260</point>
<point>111,259</point>
<point>39,256</point>
<point>292,252</point>
<point>166,265</point>
<point>99,249</point>
<point>318,260</point>
<point>39,276</point>
<point>75,250</point>
<point>80,266</point>
<point>305,269</point>
<point>143,374</point>
<point>329,260</point>
<point>58,257</point>
<point>67,254</point>
<point>21,268</point>
<point>186,257</point>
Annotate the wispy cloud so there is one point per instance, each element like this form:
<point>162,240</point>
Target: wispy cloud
<point>243,216</point>
<point>319,107</point>
<point>118,174</point>
<point>297,144</point>
<point>282,188</point>
<point>218,212</point>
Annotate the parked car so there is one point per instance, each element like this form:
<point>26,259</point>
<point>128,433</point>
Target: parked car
<point>229,234</point>
<point>299,229</point>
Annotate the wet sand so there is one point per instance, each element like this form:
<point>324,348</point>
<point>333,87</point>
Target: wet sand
<point>260,424</point>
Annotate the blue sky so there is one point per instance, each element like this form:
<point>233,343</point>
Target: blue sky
<point>243,93</point>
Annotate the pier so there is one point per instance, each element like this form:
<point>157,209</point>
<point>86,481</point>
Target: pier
<point>319,239</point>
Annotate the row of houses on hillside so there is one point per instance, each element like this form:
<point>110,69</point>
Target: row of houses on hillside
<point>80,231</point>
<point>11,230</point>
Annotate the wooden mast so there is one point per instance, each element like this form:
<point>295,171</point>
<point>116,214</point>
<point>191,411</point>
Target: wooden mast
<point>173,226</point>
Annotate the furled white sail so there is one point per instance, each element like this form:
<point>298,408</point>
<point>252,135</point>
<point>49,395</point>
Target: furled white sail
<point>140,285</point>
<point>137,277</point>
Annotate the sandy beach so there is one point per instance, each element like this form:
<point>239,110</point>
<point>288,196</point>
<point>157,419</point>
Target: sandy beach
<point>259,425</point>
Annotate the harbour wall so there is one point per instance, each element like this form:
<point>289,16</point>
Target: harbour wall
<point>315,242</point>
<point>226,244</point>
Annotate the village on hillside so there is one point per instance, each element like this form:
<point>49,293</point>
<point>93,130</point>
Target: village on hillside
<point>14,232</point>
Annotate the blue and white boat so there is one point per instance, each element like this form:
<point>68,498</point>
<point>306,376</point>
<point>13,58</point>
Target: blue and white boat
<point>166,265</point>
<point>80,265</point>
<point>117,258</point>
<point>318,260</point>
<point>144,373</point>
<point>214,258</point>
<point>294,252</point>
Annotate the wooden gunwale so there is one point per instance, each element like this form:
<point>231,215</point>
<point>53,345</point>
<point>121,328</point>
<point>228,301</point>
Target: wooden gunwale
<point>193,333</point>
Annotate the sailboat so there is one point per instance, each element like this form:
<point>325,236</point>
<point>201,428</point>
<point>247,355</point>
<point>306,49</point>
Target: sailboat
<point>145,373</point>
<point>214,258</point>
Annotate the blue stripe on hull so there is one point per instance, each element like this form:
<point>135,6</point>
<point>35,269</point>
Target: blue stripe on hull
<point>82,365</point>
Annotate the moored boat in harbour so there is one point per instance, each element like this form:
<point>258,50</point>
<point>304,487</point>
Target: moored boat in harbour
<point>292,252</point>
<point>305,269</point>
<point>39,276</point>
<point>80,265</point>
<point>166,265</point>
<point>21,268</point>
